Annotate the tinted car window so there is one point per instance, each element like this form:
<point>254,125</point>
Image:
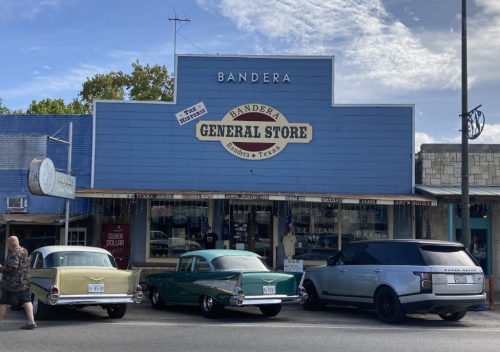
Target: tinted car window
<point>405,254</point>
<point>447,255</point>
<point>346,255</point>
<point>371,253</point>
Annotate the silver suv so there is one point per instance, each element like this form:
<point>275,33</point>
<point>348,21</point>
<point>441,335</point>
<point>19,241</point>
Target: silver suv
<point>397,277</point>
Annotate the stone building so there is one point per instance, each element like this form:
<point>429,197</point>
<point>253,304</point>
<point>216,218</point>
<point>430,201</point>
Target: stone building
<point>438,174</point>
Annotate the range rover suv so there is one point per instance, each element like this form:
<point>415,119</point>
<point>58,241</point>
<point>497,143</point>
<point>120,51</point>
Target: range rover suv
<point>396,277</point>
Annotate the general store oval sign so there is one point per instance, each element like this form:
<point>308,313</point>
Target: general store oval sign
<point>254,131</point>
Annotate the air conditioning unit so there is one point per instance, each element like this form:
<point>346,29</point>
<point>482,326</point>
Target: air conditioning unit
<point>17,204</point>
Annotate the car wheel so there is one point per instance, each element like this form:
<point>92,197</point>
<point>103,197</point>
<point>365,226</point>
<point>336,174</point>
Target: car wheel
<point>210,307</point>
<point>454,317</point>
<point>388,307</point>
<point>271,310</point>
<point>312,302</point>
<point>156,300</point>
<point>117,311</point>
<point>41,311</point>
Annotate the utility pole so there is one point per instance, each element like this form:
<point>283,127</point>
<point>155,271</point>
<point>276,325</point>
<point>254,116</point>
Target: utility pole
<point>466,237</point>
<point>176,19</point>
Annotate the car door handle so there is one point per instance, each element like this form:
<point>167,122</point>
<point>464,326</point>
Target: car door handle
<point>377,271</point>
<point>343,270</point>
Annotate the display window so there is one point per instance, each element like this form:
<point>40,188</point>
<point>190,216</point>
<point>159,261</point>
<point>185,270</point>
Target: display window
<point>315,227</point>
<point>365,222</point>
<point>177,228</point>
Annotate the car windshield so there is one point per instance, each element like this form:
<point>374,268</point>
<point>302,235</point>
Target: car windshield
<point>80,259</point>
<point>447,255</point>
<point>239,262</point>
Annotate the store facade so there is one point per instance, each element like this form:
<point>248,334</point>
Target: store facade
<point>249,147</point>
<point>439,170</point>
<point>34,218</point>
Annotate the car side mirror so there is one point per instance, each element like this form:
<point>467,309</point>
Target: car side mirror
<point>330,261</point>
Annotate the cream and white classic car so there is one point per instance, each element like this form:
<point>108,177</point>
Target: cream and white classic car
<point>81,276</point>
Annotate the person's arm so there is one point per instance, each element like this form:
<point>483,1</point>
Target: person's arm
<point>4,268</point>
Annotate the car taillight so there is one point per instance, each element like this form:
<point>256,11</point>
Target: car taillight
<point>238,291</point>
<point>302,290</point>
<point>425,281</point>
<point>138,288</point>
<point>54,289</point>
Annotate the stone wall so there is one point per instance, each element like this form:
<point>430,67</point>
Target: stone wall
<point>441,164</point>
<point>435,223</point>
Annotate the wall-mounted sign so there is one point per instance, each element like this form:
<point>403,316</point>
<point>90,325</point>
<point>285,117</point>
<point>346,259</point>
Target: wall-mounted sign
<point>191,113</point>
<point>253,77</point>
<point>254,131</point>
<point>44,180</point>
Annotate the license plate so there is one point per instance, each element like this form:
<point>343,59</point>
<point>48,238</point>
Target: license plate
<point>269,290</point>
<point>460,279</point>
<point>96,287</point>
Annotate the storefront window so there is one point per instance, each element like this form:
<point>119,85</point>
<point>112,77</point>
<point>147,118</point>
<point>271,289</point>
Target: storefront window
<point>316,229</point>
<point>176,228</point>
<point>364,222</point>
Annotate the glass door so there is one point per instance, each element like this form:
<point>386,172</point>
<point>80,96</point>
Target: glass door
<point>251,229</point>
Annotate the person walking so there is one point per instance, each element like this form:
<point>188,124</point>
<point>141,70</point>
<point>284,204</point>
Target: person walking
<point>16,281</point>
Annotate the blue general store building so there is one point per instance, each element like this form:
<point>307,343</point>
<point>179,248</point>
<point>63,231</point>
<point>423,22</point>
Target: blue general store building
<point>247,141</point>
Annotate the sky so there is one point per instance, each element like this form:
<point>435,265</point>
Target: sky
<point>386,51</point>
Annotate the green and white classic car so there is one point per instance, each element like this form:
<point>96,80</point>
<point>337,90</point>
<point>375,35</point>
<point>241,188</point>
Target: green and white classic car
<point>213,279</point>
<point>80,276</point>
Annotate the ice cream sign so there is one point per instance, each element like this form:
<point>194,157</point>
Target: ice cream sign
<point>254,131</point>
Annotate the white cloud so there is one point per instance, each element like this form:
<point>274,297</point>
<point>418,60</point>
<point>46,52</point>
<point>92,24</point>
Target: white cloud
<point>368,42</point>
<point>490,135</point>
<point>422,138</point>
<point>25,9</point>
<point>65,85</point>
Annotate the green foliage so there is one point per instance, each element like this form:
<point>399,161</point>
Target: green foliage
<point>3,109</point>
<point>144,83</point>
<point>150,83</point>
<point>57,107</point>
<point>109,87</point>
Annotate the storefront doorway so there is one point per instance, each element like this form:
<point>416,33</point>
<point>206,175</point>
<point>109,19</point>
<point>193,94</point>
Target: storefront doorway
<point>251,229</point>
<point>480,233</point>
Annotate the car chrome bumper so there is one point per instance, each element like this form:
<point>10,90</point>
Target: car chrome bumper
<point>240,301</point>
<point>93,299</point>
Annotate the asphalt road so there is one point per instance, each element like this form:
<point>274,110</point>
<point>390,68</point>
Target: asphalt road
<point>245,329</point>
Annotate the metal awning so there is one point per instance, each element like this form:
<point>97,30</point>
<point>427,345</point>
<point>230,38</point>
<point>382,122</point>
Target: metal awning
<point>486,193</point>
<point>39,219</point>
<point>347,198</point>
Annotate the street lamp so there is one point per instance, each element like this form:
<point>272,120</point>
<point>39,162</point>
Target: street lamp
<point>471,129</point>
<point>69,143</point>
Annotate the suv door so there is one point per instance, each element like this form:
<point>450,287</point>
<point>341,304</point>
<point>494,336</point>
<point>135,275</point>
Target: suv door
<point>336,273</point>
<point>368,273</point>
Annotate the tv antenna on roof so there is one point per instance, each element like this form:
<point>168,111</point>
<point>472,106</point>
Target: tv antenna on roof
<point>177,19</point>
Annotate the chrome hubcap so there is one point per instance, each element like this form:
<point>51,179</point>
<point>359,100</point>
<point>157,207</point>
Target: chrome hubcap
<point>208,303</point>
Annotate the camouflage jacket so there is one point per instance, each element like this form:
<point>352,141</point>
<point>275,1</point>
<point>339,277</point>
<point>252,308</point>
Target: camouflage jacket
<point>19,279</point>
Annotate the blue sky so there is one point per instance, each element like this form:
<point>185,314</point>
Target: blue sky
<point>386,51</point>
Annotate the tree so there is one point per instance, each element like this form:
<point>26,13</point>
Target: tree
<point>57,106</point>
<point>150,83</point>
<point>109,87</point>
<point>4,110</point>
<point>144,83</point>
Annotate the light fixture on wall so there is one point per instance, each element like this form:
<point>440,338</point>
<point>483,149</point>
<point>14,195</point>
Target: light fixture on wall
<point>485,216</point>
